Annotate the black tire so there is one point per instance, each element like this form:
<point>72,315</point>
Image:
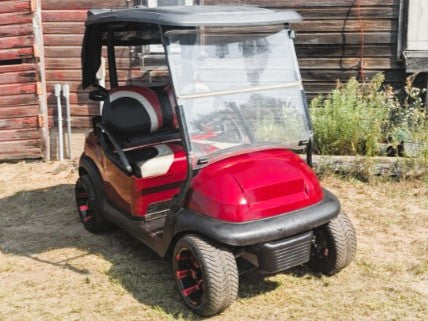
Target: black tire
<point>88,206</point>
<point>334,245</point>
<point>209,270</point>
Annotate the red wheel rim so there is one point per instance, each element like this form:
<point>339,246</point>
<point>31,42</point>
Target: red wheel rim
<point>82,200</point>
<point>189,276</point>
<point>320,250</point>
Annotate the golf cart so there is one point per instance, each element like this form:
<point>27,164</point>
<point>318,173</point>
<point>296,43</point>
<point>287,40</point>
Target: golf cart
<point>203,168</point>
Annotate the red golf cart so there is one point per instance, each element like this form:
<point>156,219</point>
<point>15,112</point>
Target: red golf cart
<point>203,167</point>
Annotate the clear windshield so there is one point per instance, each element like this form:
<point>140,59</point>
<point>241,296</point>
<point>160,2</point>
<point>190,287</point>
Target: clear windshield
<point>238,89</point>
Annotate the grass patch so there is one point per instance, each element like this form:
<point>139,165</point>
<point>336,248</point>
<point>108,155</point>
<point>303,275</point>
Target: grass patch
<point>44,250</point>
<point>356,118</point>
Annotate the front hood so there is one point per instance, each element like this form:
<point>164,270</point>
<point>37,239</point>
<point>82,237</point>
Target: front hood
<point>254,186</point>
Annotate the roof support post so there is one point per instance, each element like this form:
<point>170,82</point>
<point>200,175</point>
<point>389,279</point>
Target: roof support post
<point>111,59</point>
<point>183,131</point>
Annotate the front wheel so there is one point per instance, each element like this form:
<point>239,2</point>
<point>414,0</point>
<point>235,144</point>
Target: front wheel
<point>88,206</point>
<point>333,246</point>
<point>206,275</point>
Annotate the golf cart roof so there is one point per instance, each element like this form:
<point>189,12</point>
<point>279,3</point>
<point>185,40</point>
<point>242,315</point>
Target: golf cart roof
<point>196,16</point>
<point>143,26</point>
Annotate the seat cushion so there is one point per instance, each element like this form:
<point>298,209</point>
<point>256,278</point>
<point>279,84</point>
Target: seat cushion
<point>161,135</point>
<point>155,160</point>
<point>138,116</point>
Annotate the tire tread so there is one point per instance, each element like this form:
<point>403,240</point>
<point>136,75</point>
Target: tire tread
<point>221,274</point>
<point>100,224</point>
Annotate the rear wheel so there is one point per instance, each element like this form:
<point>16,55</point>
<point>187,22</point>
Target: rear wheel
<point>206,275</point>
<point>333,246</point>
<point>88,206</point>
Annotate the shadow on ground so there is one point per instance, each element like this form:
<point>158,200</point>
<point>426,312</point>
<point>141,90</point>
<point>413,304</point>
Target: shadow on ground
<point>36,221</point>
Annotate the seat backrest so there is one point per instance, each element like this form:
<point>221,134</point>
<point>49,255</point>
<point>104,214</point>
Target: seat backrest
<point>135,110</point>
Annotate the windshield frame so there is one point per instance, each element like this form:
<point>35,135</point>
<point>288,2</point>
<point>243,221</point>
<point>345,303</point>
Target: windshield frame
<point>292,76</point>
<point>194,164</point>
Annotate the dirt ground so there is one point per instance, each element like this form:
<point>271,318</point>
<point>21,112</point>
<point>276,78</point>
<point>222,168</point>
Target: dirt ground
<point>52,269</point>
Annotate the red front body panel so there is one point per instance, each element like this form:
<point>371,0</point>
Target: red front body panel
<point>240,188</point>
<point>253,186</point>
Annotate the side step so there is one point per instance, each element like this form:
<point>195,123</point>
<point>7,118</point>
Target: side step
<point>148,232</point>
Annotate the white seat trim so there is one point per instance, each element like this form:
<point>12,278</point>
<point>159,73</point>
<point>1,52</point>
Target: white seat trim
<point>160,164</point>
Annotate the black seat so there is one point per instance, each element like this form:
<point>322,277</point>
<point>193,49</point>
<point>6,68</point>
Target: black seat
<point>133,117</point>
<point>139,115</point>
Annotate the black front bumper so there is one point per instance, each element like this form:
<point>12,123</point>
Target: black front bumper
<point>280,255</point>
<point>260,231</point>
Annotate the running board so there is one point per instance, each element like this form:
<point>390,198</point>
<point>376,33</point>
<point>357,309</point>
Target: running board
<point>159,210</point>
<point>150,233</point>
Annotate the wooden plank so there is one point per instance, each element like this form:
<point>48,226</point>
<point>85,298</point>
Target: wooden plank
<point>18,77</point>
<point>17,42</point>
<point>76,75</point>
<point>64,15</point>
<point>16,30</point>
<point>303,3</point>
<point>76,121</point>
<point>15,6</point>
<point>17,53</point>
<point>75,52</point>
<point>74,86</point>
<point>346,25</point>
<point>348,63</point>
<point>61,63</point>
<point>92,109</point>
<point>39,47</point>
<point>332,75</point>
<point>30,148</point>
<point>18,134</point>
<point>318,87</point>
<point>16,123</point>
<point>63,75</point>
<point>317,51</point>
<point>16,68</point>
<point>63,52</point>
<point>19,111</point>
<point>63,28</point>
<point>25,154</point>
<point>19,100</point>
<point>75,63</point>
<point>345,38</point>
<point>75,98</point>
<point>87,4</point>
<point>15,18</point>
<point>326,87</point>
<point>63,40</point>
<point>348,13</point>
<point>18,89</point>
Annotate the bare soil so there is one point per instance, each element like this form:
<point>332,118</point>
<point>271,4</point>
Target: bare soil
<point>52,269</point>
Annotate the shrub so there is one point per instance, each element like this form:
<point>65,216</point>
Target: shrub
<point>356,117</point>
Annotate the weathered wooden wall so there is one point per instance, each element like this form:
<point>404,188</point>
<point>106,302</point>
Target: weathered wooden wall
<point>20,133</point>
<point>63,28</point>
<point>328,45</point>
